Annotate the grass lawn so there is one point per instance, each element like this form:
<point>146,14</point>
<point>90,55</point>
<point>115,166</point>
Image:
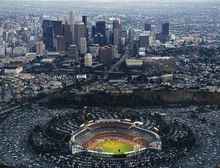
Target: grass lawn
<point>115,146</point>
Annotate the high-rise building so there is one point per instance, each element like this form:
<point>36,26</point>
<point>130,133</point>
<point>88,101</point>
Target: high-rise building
<point>164,35</point>
<point>72,52</point>
<point>106,54</point>
<point>116,32</point>
<point>147,27</point>
<point>131,35</point>
<point>88,60</point>
<point>93,31</point>
<point>67,33</point>
<point>83,45</point>
<point>79,32</point>
<point>40,48</point>
<point>99,39</point>
<point>59,43</point>
<point>71,19</point>
<point>5,36</point>
<point>101,29</point>
<point>144,40</point>
<point>109,36</point>
<point>50,30</point>
<point>48,35</point>
<point>165,29</point>
<point>84,20</point>
<point>71,23</point>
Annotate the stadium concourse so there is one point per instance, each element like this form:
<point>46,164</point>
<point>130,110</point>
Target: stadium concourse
<point>37,136</point>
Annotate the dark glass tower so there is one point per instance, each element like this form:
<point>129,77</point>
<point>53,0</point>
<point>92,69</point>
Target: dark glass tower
<point>100,27</point>
<point>84,20</point>
<point>147,27</point>
<point>165,29</point>
<point>51,29</point>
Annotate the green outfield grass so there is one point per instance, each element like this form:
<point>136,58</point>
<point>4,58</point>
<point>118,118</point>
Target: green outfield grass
<point>115,146</point>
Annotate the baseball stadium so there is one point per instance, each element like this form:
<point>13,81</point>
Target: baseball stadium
<point>113,137</point>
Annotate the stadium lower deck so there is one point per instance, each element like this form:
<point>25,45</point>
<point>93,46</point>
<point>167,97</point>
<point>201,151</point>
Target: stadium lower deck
<point>34,136</point>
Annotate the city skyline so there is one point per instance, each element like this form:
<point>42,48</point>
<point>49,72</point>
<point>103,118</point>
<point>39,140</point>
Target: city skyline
<point>109,83</point>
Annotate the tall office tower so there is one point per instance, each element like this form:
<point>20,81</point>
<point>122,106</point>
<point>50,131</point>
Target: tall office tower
<point>83,45</point>
<point>59,43</point>
<point>5,48</point>
<point>106,54</point>
<point>164,36</point>
<point>101,29</point>
<point>116,32</point>
<point>71,23</point>
<point>79,32</point>
<point>152,39</point>
<point>99,39</point>
<point>50,30</point>
<point>123,41</point>
<point>67,35</point>
<point>144,40</point>
<point>147,27</point>
<point>131,36</point>
<point>5,36</point>
<point>84,20</point>
<point>72,52</point>
<point>109,36</point>
<point>165,29</point>
<point>40,48</point>
<point>71,19</point>
<point>93,31</point>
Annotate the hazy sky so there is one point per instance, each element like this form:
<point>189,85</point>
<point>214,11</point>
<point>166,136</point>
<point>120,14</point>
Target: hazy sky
<point>128,0</point>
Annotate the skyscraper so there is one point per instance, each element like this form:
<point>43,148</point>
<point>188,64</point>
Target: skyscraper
<point>48,34</point>
<point>144,40</point>
<point>165,29</point>
<point>50,31</point>
<point>99,39</point>
<point>116,32</point>
<point>84,20</point>
<point>79,32</point>
<point>73,52</point>
<point>100,29</point>
<point>40,48</point>
<point>106,54</point>
<point>59,43</point>
<point>109,35</point>
<point>93,31</point>
<point>67,32</point>
<point>164,36</point>
<point>73,18</point>
<point>147,27</point>
<point>83,45</point>
<point>131,35</point>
